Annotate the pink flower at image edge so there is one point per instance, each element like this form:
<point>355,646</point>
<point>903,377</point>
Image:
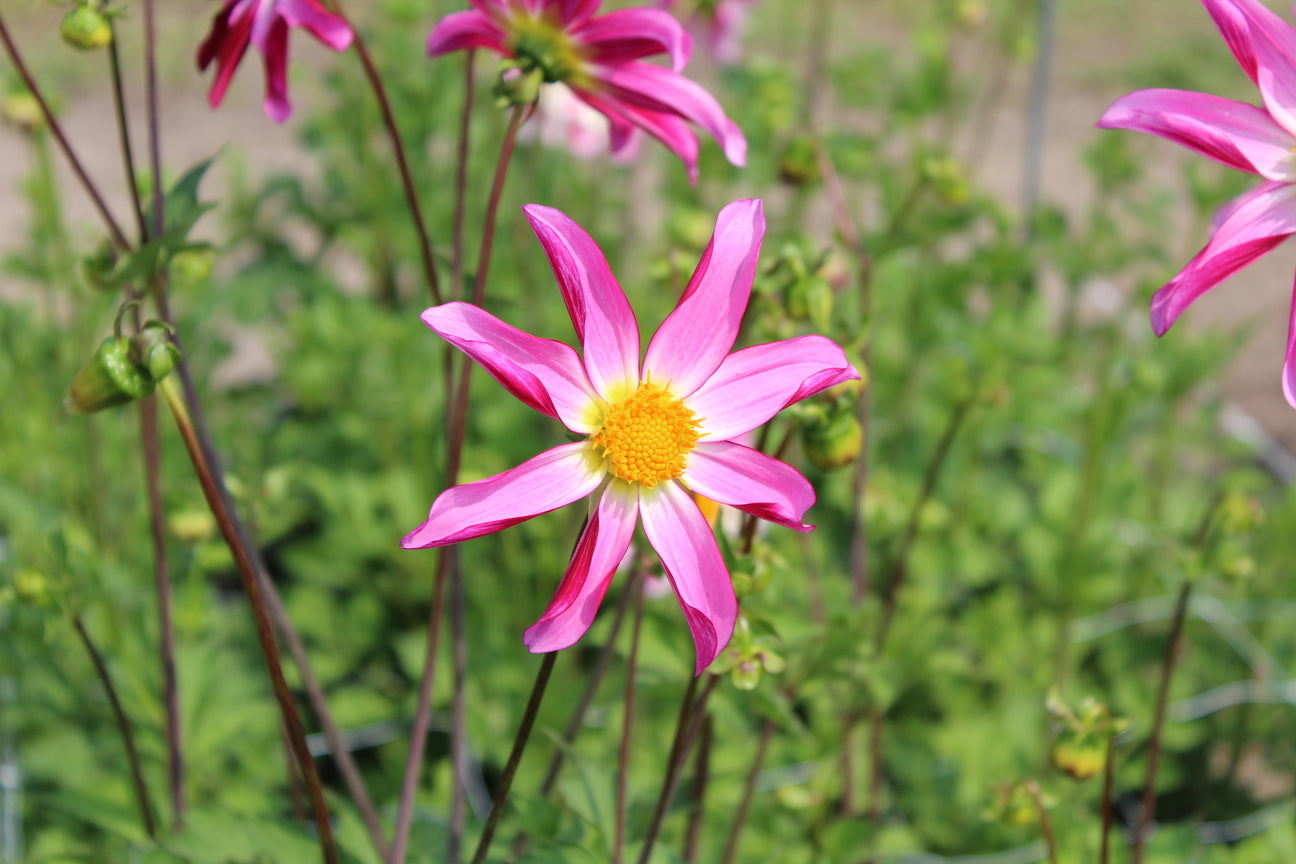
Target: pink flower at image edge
<point>265,24</point>
<point>600,58</point>
<point>653,432</point>
<point>1259,140</point>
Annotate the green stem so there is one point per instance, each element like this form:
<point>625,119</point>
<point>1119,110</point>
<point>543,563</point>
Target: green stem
<point>1148,810</point>
<point>749,791</point>
<point>123,726</point>
<point>1046,827</point>
<point>623,752</point>
<point>123,132</point>
<point>261,617</point>
<point>1104,850</point>
<point>515,757</point>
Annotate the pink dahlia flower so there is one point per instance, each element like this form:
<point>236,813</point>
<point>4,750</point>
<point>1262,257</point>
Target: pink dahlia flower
<point>652,431</point>
<point>265,23</point>
<point>720,25</point>
<point>1260,140</point>
<point>599,58</point>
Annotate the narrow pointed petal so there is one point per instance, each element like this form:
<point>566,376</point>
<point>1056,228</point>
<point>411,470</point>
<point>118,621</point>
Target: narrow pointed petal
<point>467,29</point>
<point>600,550</point>
<point>670,129</point>
<point>1257,222</point>
<point>226,44</point>
<point>330,29</point>
<point>1289,360</point>
<point>1232,24</point>
<point>696,336</point>
<point>657,89</point>
<point>543,373</point>
<point>754,384</point>
<point>681,536</point>
<point>629,34</point>
<point>276,104</point>
<point>1239,135</point>
<point>751,481</point>
<point>600,312</point>
<point>546,482</point>
<point>577,12</point>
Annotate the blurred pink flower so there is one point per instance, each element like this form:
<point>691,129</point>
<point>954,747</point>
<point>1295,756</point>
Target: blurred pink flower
<point>1257,140</point>
<point>651,430</point>
<point>265,23</point>
<point>561,120</point>
<point>599,58</point>
<point>719,24</point>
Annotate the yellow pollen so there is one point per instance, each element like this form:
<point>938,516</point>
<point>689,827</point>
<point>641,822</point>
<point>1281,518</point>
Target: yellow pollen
<point>646,436</point>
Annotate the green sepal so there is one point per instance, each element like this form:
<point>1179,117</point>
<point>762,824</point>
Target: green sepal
<point>110,378</point>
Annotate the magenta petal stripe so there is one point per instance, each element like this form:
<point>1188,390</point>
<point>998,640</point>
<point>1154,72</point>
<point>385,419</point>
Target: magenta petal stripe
<point>751,481</point>
<point>754,384</point>
<point>604,322</point>
<point>601,548</point>
<point>467,29</point>
<point>629,34</point>
<point>546,482</point>
<point>543,373</point>
<point>682,537</point>
<point>696,336</point>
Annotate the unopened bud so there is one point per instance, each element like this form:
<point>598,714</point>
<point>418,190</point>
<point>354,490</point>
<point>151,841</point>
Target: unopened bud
<point>122,370</point>
<point>192,266</point>
<point>153,350</point>
<point>517,87</point>
<point>86,28</point>
<point>22,110</point>
<point>1078,754</point>
<point>833,442</point>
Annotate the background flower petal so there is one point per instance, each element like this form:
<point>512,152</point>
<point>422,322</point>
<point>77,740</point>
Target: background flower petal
<point>545,374</point>
<point>600,312</point>
<point>1241,136</point>
<point>670,129</point>
<point>754,384</point>
<point>327,27</point>
<point>629,34</point>
<point>546,482</point>
<point>467,29</point>
<point>1289,359</point>
<point>696,336</point>
<point>1256,222</point>
<point>751,481</point>
<point>682,537</point>
<point>602,546</point>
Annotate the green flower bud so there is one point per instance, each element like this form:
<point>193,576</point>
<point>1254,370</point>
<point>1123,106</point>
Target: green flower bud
<point>799,164</point>
<point>22,110</point>
<point>834,442</point>
<point>1079,755</point>
<point>153,350</point>
<point>109,378</point>
<point>86,28</point>
<point>192,266</point>
<point>518,88</point>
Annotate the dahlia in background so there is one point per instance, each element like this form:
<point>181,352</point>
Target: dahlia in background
<point>265,23</point>
<point>719,25</point>
<point>599,58</point>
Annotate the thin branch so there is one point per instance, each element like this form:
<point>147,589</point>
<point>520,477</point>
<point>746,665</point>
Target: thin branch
<point>123,726</point>
<point>461,174</point>
<point>1109,771</point>
<point>123,132</point>
<point>701,779</point>
<point>749,790</point>
<point>458,703</point>
<point>627,725</point>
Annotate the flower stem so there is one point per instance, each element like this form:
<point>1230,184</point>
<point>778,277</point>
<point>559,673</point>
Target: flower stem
<point>1046,827</point>
<point>623,752</point>
<point>418,734</point>
<point>515,757</point>
<point>749,790</point>
<point>701,777</point>
<point>461,174</point>
<point>492,204</point>
<point>154,138</point>
<point>123,131</point>
<point>114,230</point>
<point>1104,849</point>
<point>690,721</point>
<point>458,704</point>
<point>1148,810</point>
<point>261,617</point>
<point>402,164</point>
<point>123,726</point>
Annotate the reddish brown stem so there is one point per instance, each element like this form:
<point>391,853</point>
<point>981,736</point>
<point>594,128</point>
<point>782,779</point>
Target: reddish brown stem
<point>623,752</point>
<point>749,791</point>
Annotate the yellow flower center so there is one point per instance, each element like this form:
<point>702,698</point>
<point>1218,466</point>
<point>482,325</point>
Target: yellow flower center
<point>540,43</point>
<point>646,436</point>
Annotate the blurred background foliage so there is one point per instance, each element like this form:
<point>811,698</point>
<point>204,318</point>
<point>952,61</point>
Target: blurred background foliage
<point>1086,476</point>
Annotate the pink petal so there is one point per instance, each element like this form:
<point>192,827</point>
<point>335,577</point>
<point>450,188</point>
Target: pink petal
<point>467,29</point>
<point>681,536</point>
<point>276,104</point>
<point>658,89</point>
<point>754,384</point>
<point>751,481</point>
<point>600,550</point>
<point>546,482</point>
<point>1258,221</point>
<point>1289,359</point>
<point>629,34</point>
<point>577,12</point>
<point>1241,136</point>
<point>696,336</point>
<point>670,129</point>
<point>543,373</point>
<point>226,44</point>
<point>1232,24</point>
<point>600,312</point>
<point>325,26</point>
